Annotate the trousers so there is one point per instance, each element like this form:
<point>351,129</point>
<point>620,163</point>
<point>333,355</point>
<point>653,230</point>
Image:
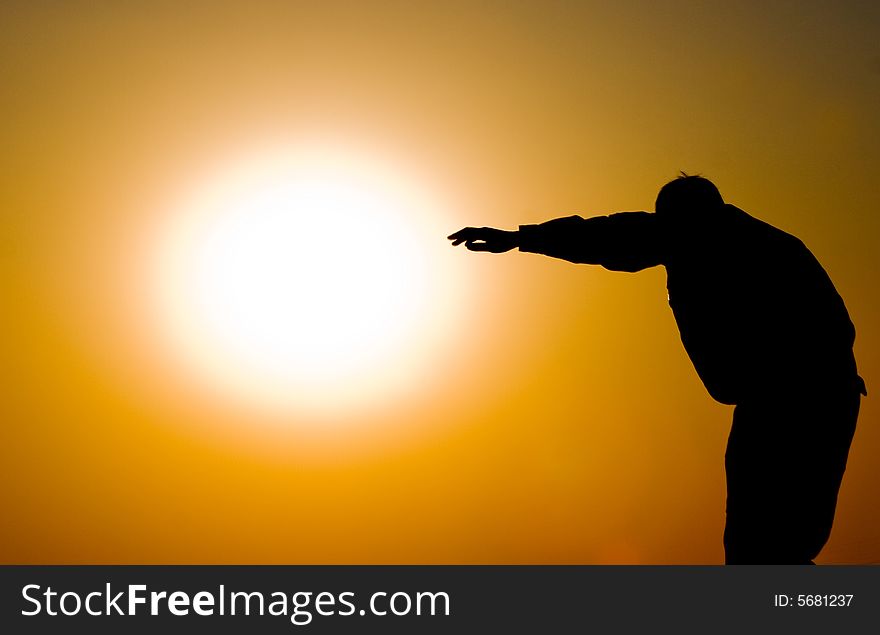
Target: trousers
<point>785,459</point>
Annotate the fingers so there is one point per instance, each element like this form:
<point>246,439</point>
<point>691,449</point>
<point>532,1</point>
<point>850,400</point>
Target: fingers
<point>470,234</point>
<point>463,235</point>
<point>456,235</point>
<point>483,239</point>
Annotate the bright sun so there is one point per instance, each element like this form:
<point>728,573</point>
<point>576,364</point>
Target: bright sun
<point>305,282</point>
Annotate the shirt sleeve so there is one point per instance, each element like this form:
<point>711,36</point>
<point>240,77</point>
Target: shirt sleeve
<point>626,241</point>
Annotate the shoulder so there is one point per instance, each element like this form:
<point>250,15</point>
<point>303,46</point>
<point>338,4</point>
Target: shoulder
<point>760,230</point>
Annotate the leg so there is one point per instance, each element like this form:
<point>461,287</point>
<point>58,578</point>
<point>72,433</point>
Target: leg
<point>784,466</point>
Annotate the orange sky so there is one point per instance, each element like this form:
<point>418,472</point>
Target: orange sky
<point>566,424</point>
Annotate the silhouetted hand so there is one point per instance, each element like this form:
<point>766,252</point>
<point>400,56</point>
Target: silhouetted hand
<point>489,239</point>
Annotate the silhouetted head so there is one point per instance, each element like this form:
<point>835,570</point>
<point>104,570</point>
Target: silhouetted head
<point>688,197</point>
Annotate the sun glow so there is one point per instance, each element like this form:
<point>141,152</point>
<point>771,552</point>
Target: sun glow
<point>306,282</point>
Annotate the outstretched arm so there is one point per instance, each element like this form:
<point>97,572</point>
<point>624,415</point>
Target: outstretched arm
<point>627,241</point>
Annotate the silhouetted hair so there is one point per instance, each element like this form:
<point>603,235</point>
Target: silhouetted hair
<point>688,194</point>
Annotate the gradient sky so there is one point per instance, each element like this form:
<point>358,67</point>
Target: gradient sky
<point>566,425</point>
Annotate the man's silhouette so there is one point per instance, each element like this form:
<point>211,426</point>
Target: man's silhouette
<point>765,329</point>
